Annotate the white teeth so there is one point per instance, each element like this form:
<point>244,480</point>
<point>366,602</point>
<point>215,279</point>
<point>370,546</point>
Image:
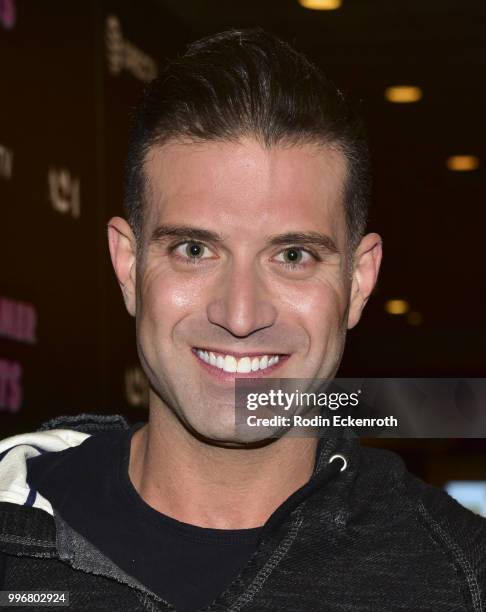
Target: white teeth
<point>263,362</point>
<point>203,355</point>
<point>244,365</point>
<point>229,363</point>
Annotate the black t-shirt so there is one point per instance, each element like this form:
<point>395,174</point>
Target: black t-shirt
<point>89,487</point>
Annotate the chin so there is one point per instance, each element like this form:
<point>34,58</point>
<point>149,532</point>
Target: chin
<point>229,435</point>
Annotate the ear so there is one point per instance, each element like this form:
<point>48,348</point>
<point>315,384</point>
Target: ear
<point>123,251</point>
<point>367,260</point>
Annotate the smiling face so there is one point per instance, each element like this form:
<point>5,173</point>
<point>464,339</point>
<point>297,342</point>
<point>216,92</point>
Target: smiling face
<point>244,271</point>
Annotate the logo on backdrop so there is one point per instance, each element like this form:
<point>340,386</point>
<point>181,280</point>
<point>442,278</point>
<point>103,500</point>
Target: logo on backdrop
<point>64,192</point>
<point>18,321</point>
<point>6,162</point>
<point>8,14</point>
<point>121,54</point>
<point>10,385</point>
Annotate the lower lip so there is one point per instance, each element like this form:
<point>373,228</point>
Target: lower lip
<point>223,376</point>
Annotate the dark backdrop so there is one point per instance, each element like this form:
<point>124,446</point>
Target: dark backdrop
<point>70,72</point>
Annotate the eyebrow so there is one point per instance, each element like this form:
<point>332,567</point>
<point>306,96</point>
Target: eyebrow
<point>189,232</point>
<point>316,239</point>
<point>163,232</point>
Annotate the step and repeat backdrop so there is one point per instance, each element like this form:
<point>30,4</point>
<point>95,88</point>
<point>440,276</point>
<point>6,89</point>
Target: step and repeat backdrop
<point>70,72</point>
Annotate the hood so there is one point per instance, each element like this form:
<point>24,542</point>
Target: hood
<point>334,456</point>
<point>55,435</point>
<point>14,453</point>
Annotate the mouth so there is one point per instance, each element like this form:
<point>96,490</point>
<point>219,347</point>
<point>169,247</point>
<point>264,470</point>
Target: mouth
<point>228,366</point>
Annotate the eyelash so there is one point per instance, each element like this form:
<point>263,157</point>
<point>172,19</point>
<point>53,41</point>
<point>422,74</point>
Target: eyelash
<point>194,260</point>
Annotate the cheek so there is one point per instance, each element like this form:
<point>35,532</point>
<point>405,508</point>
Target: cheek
<point>166,298</point>
<point>318,304</point>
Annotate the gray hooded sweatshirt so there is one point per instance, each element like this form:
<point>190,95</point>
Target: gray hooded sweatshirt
<point>362,535</point>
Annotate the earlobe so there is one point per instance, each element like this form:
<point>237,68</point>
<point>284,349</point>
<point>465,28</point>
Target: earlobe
<point>122,245</point>
<point>367,263</point>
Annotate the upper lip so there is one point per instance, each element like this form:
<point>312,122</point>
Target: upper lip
<point>238,353</point>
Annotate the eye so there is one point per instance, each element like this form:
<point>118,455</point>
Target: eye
<point>191,251</point>
<point>294,257</point>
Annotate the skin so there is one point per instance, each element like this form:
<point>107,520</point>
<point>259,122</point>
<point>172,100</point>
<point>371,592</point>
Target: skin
<point>238,296</point>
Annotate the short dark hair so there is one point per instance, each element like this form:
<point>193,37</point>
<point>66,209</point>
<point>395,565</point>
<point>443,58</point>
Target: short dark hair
<point>248,83</point>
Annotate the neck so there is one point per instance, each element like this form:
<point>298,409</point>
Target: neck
<point>212,486</point>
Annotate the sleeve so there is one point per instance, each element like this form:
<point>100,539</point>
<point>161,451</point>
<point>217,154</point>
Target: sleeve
<point>462,535</point>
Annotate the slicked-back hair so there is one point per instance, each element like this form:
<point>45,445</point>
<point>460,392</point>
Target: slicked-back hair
<point>247,83</point>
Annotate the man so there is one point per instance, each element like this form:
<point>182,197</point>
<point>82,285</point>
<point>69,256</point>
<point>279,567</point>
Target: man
<point>244,255</point>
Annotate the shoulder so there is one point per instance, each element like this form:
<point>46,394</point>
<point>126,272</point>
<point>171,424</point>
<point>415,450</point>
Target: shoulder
<point>460,533</point>
<point>387,471</point>
<point>450,523</point>
<point>457,532</point>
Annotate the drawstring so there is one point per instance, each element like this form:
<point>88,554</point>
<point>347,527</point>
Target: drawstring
<point>336,463</point>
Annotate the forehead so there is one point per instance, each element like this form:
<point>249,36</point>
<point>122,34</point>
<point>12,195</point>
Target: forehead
<point>245,187</point>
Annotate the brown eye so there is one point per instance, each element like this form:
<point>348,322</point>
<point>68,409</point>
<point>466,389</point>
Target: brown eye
<point>194,250</point>
<point>191,252</point>
<point>292,255</point>
<point>295,258</point>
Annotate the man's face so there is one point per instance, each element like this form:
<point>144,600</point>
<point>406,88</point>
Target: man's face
<point>219,280</point>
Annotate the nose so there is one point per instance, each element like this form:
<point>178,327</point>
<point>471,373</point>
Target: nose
<point>243,303</point>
